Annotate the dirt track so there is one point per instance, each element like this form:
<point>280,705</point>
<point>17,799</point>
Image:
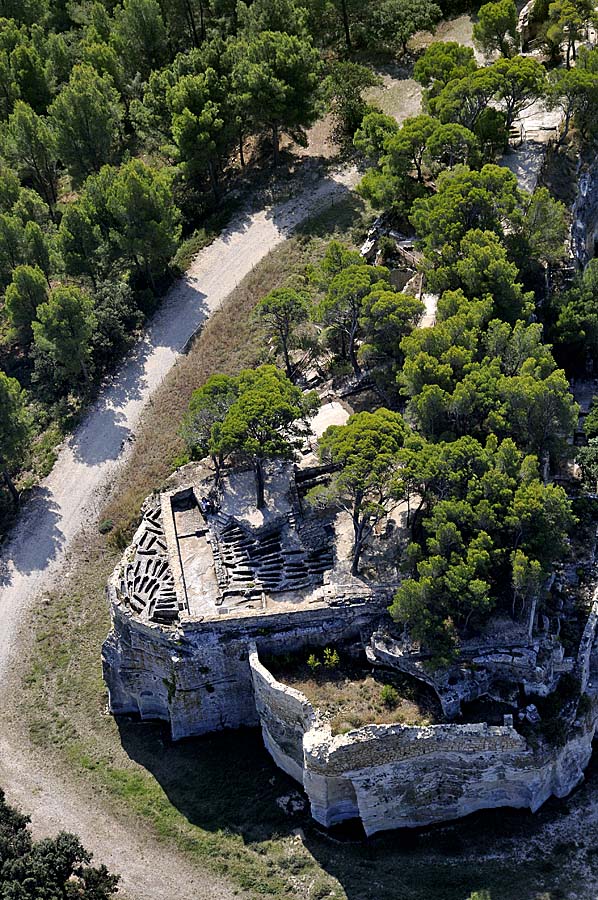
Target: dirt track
<point>72,496</point>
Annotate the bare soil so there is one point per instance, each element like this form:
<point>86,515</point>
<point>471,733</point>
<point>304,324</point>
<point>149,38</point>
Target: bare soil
<point>400,95</point>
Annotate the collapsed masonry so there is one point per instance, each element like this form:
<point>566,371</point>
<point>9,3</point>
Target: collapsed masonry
<point>211,586</point>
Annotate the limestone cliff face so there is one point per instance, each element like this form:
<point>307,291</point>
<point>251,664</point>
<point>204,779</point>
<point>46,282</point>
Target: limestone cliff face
<point>396,776</point>
<point>199,682</point>
<point>445,774</point>
<point>197,676</point>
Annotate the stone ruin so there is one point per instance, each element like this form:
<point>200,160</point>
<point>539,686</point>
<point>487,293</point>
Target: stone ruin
<point>211,587</point>
<point>146,579</point>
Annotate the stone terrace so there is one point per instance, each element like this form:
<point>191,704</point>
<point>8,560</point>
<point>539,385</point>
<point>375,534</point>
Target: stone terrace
<point>202,553</point>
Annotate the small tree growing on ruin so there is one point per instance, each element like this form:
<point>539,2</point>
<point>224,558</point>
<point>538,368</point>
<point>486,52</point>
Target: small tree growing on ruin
<point>266,421</point>
<point>201,425</point>
<point>282,311</point>
<point>365,450</point>
<point>527,584</point>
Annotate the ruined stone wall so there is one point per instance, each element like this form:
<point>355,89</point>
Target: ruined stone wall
<point>285,716</point>
<point>407,777</point>
<point>198,685</point>
<point>394,776</point>
<point>197,675</point>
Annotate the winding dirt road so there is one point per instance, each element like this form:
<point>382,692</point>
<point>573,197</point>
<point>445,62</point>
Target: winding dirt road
<point>72,495</point>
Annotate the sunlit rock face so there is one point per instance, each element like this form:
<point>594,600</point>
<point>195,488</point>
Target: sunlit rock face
<point>398,776</point>
<point>584,226</point>
<point>210,587</point>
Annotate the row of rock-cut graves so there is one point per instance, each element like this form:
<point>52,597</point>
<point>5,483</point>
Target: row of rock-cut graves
<point>147,583</point>
<point>251,563</point>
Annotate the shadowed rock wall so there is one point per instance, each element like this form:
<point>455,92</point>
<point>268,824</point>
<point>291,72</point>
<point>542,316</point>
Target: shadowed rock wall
<point>197,676</point>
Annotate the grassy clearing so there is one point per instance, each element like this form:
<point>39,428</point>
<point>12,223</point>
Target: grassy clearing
<point>354,702</point>
<point>215,798</point>
<point>350,694</point>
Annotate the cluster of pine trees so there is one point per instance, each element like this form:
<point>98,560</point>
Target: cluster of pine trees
<point>474,411</point>
<point>120,126</point>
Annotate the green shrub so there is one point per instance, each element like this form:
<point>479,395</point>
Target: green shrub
<point>331,658</point>
<point>313,662</point>
<point>387,247</point>
<point>105,526</point>
<point>181,459</point>
<point>389,696</point>
<point>121,536</point>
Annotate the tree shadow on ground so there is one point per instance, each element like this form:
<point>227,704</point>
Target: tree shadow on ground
<point>21,555</point>
<point>227,781</point>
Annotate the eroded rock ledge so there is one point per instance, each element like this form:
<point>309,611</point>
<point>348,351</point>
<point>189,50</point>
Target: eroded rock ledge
<point>396,776</point>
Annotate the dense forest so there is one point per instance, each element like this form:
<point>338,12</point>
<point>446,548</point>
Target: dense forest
<point>122,126</point>
<point>474,415</point>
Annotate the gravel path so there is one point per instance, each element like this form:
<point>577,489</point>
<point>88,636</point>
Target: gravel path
<point>72,495</point>
<point>149,871</point>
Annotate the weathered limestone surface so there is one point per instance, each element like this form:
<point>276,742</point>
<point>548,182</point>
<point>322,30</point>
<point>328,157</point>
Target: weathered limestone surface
<point>394,776</point>
<point>285,716</point>
<point>584,227</point>
<point>190,654</point>
<point>583,663</point>
<point>197,676</point>
<point>536,667</point>
<point>405,777</point>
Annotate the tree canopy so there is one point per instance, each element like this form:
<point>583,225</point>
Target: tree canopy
<point>257,415</point>
<point>282,311</point>
<point>63,330</point>
<point>496,28</point>
<point>54,867</point>
<point>486,530</point>
<point>14,422</point>
<point>365,452</point>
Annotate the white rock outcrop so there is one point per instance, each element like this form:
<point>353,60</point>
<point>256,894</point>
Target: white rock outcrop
<point>397,776</point>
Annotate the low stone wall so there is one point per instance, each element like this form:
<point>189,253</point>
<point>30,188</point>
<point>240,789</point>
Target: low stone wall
<point>285,716</point>
<point>393,776</point>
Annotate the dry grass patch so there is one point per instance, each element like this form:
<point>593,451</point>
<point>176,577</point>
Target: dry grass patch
<point>350,694</point>
<point>353,702</point>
